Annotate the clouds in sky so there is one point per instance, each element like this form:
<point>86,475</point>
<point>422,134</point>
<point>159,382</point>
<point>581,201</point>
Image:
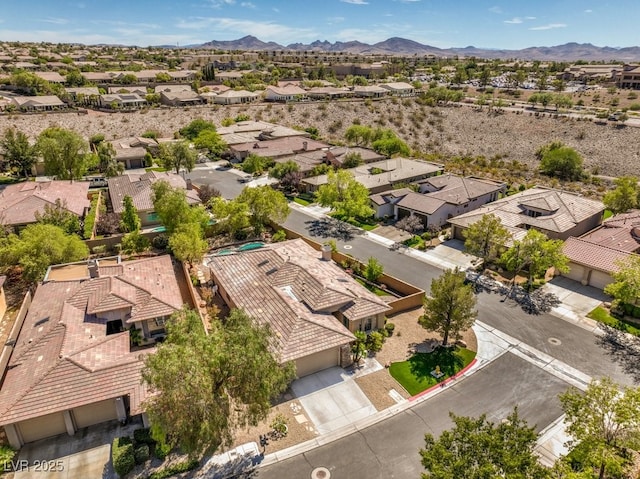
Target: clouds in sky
<point>355,2</point>
<point>550,26</point>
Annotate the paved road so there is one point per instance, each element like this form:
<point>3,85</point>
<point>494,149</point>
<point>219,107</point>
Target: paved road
<point>225,181</point>
<point>389,449</point>
<point>578,348</point>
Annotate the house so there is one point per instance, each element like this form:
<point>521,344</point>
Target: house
<point>337,155</point>
<point>370,91</point>
<point>138,187</point>
<point>329,93</point>
<point>596,255</point>
<point>137,90</point>
<point>132,151</point>
<point>38,103</point>
<point>181,98</point>
<point>51,77</point>
<point>383,175</point>
<point>276,148</point>
<point>629,77</point>
<point>558,214</point>
<point>122,101</point>
<point>438,199</point>
<point>83,95</point>
<point>98,77</point>
<point>399,88</point>
<point>312,305</point>
<point>20,202</point>
<point>249,131</point>
<point>172,88</point>
<point>308,160</point>
<point>285,94</point>
<point>235,97</point>
<point>72,365</point>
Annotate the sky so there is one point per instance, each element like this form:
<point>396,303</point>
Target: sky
<point>507,24</point>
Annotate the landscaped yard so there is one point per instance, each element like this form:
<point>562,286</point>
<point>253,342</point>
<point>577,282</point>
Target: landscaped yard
<point>602,315</point>
<point>415,373</point>
<point>374,289</point>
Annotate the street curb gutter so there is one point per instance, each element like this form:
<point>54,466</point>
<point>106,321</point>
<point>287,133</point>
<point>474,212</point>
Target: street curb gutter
<point>445,382</point>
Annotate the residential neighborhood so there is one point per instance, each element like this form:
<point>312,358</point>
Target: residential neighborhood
<point>249,293</point>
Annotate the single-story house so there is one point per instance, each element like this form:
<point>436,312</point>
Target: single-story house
<point>370,91</point>
<point>181,98</point>
<point>311,304</point>
<point>72,365</point>
<point>234,97</point>
<point>20,202</point>
<point>286,93</point>
<point>138,187</point>
<point>439,198</point>
<point>83,95</point>
<point>132,151</point>
<point>38,103</point>
<point>276,148</point>
<point>137,90</point>
<point>336,155</point>
<point>596,255</point>
<point>98,77</point>
<point>308,160</point>
<point>329,93</point>
<point>172,88</point>
<point>250,131</point>
<point>383,175</point>
<point>558,214</point>
<point>51,77</point>
<point>121,101</point>
<point>399,88</point>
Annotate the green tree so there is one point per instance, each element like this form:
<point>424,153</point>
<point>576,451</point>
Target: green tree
<point>39,246</point>
<point>604,420</point>
<point>107,163</point>
<point>486,238</point>
<point>163,77</point>
<point>280,170</point>
<point>231,216</point>
<point>562,101</point>
<point>535,253</point>
<point>373,269</point>
<point>197,126</point>
<point>625,197</point>
<point>255,164</point>
<point>352,160</point>
<point>560,161</point>
<point>480,449</point>
<point>188,243</point>
<point>59,215</point>
<point>264,205</point>
<point>134,242</point>
<point>18,153</point>
<point>172,208</point>
<point>65,153</point>
<point>390,146</point>
<point>177,156</point>
<point>344,195</point>
<point>128,79</point>
<point>625,288</point>
<point>207,386</point>
<point>358,134</point>
<point>359,346</point>
<point>129,220</point>
<point>211,141</point>
<point>75,78</point>
<point>451,306</point>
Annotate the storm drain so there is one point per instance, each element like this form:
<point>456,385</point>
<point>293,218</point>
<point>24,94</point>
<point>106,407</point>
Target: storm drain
<point>320,473</point>
<point>555,341</point>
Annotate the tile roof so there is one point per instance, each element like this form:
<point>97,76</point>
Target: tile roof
<point>593,255</point>
<point>138,187</point>
<point>63,357</point>
<point>20,202</point>
<point>290,287</point>
<point>457,189</point>
<point>565,211</point>
<point>426,204</point>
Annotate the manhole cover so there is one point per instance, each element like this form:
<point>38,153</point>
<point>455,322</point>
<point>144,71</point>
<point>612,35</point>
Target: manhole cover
<point>320,473</point>
<point>555,341</point>
<point>347,246</point>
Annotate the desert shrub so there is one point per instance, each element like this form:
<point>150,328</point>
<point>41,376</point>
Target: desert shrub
<point>122,455</point>
<point>390,327</point>
<point>174,469</point>
<point>161,451</point>
<point>634,107</point>
<point>278,236</point>
<point>375,341</point>
<point>141,453</point>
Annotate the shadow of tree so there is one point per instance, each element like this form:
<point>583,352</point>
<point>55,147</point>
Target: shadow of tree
<point>332,228</point>
<point>421,364</point>
<point>624,349</point>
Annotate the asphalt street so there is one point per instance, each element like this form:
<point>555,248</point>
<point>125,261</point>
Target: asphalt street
<point>224,180</point>
<point>577,347</point>
<point>389,449</point>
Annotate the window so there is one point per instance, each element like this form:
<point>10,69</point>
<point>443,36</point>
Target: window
<point>161,321</point>
<point>368,324</point>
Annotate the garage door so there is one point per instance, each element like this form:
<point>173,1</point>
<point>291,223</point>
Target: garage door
<point>317,362</point>
<point>575,272</point>
<point>599,279</point>
<point>42,427</point>
<point>95,413</point>
<point>458,233</point>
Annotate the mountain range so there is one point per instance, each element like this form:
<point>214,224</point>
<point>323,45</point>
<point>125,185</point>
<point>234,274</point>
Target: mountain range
<point>403,46</point>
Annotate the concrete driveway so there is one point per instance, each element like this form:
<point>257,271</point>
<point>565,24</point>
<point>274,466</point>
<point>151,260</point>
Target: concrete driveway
<point>332,399</point>
<point>576,299</point>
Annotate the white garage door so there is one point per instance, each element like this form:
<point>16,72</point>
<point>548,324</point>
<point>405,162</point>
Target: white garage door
<point>599,279</point>
<point>95,413</point>
<point>575,272</point>
<point>42,427</point>
<point>317,362</point>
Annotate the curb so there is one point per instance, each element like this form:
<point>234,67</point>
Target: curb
<point>445,382</point>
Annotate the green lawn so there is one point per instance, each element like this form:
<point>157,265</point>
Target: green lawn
<point>601,315</point>
<point>301,201</point>
<point>415,373</point>
<point>155,168</point>
<point>367,224</point>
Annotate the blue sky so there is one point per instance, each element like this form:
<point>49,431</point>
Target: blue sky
<point>510,24</point>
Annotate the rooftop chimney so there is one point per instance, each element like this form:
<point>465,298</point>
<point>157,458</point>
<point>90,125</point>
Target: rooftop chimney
<point>305,145</point>
<point>326,252</point>
<point>92,265</point>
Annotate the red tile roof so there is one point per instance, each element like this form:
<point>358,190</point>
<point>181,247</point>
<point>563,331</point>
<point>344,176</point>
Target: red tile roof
<point>63,357</point>
<point>593,255</point>
<point>138,187</point>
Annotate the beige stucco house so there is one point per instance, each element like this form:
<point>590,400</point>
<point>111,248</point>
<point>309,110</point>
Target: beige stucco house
<point>312,305</point>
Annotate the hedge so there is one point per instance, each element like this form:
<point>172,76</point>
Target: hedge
<point>141,453</point>
<point>122,455</point>
<point>90,219</point>
<point>173,469</point>
<point>143,436</point>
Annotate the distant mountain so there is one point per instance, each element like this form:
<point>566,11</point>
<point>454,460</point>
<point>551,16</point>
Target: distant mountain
<point>403,46</point>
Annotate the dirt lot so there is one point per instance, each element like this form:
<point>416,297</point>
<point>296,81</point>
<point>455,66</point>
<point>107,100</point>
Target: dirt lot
<point>459,130</point>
